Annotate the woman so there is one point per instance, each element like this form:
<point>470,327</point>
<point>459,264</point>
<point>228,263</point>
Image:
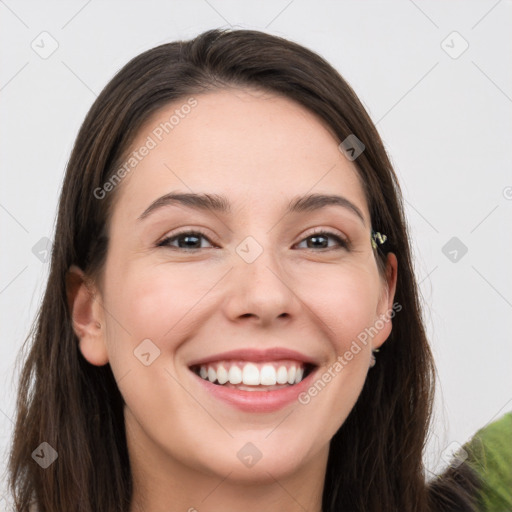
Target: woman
<point>240,373</point>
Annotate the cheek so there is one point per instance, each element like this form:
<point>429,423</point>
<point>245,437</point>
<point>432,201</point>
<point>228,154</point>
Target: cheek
<point>149,305</point>
<point>168,304</point>
<point>345,299</point>
<point>157,302</point>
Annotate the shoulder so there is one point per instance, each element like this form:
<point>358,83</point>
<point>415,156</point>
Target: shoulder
<point>489,453</point>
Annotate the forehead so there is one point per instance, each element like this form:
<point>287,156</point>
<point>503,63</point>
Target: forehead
<point>250,145</point>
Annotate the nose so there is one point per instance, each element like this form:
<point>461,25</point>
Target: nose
<point>261,290</point>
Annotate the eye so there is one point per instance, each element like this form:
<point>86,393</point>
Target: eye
<point>317,240</point>
<point>190,239</point>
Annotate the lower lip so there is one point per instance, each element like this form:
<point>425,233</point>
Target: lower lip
<point>257,401</point>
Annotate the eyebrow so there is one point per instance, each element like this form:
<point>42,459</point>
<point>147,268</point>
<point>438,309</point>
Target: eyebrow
<point>220,204</point>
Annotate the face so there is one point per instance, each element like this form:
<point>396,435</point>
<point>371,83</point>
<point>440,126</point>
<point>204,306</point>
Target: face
<point>184,285</point>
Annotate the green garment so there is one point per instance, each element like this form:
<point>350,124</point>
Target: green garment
<point>490,455</point>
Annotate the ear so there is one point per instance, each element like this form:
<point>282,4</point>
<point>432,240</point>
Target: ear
<point>385,309</point>
<point>87,316</point>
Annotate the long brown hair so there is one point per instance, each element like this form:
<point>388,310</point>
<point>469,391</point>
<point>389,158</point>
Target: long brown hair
<point>375,459</point>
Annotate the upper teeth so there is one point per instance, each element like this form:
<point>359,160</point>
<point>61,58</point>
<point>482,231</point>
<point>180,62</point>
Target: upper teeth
<point>253,374</point>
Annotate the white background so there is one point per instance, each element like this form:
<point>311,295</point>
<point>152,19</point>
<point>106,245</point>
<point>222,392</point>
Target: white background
<point>445,121</point>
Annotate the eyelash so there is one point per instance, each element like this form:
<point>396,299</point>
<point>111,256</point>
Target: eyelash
<point>343,244</point>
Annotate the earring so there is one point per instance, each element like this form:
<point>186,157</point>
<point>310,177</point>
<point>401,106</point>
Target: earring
<point>373,361</point>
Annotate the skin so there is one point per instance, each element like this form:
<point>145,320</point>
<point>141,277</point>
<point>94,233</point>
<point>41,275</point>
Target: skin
<point>260,150</point>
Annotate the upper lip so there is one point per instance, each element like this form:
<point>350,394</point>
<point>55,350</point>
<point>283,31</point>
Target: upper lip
<point>256,355</point>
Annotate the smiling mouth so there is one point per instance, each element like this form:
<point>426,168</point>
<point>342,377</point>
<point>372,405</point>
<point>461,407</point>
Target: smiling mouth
<point>254,376</point>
